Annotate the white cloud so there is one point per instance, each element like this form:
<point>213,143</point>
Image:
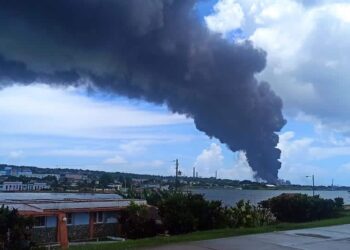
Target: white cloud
<point>328,152</point>
<point>306,62</point>
<point>76,152</point>
<point>16,154</point>
<point>118,163</point>
<point>209,161</point>
<point>293,148</point>
<point>306,156</point>
<point>66,112</point>
<point>341,11</point>
<point>133,147</point>
<point>227,16</point>
<point>307,47</point>
<point>212,159</point>
<point>240,170</point>
<point>115,160</point>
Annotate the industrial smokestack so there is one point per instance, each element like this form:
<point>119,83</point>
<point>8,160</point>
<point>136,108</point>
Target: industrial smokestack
<point>154,50</point>
<point>194,172</point>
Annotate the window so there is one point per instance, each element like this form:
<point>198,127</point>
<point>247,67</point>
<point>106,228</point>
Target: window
<point>99,217</point>
<point>40,221</point>
<point>69,218</point>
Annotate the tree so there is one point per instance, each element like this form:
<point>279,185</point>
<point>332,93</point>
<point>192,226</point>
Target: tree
<point>183,213</point>
<point>106,179</point>
<point>137,222</point>
<point>14,229</point>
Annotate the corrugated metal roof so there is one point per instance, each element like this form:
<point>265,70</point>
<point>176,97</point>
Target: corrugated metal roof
<point>39,205</point>
<point>23,207</point>
<point>85,204</point>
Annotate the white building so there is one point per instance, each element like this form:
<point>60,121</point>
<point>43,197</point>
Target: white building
<point>14,186</point>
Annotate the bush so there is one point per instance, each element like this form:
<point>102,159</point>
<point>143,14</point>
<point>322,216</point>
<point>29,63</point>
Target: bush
<point>245,214</point>
<point>14,229</point>
<point>137,222</point>
<point>301,207</point>
<point>184,213</point>
<point>339,203</point>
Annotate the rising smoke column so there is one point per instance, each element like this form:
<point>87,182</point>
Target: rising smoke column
<point>152,50</point>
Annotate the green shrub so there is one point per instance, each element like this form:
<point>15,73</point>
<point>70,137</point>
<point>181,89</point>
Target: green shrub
<point>14,229</point>
<point>339,203</point>
<point>183,213</point>
<point>301,207</point>
<point>137,222</point>
<point>245,214</point>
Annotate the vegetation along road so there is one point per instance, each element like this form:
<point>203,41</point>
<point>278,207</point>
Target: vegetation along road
<point>344,218</point>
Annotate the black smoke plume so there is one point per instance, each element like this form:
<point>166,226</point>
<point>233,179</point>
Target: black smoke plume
<point>154,50</point>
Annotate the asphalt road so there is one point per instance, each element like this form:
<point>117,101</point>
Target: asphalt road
<point>334,237</point>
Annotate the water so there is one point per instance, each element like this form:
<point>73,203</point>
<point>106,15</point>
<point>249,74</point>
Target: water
<point>231,196</point>
<point>55,196</point>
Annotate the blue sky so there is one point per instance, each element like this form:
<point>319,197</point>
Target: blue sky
<point>306,66</point>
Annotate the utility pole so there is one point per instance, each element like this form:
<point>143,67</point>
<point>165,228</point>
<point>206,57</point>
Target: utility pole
<point>313,184</point>
<point>176,172</point>
<point>332,184</point>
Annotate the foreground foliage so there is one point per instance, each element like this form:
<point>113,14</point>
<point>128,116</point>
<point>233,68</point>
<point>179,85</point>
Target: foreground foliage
<point>301,207</point>
<point>14,229</point>
<point>181,213</point>
<point>244,214</point>
<point>344,218</point>
<point>138,222</point>
<point>186,212</point>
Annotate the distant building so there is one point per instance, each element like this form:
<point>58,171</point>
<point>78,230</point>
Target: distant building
<point>42,176</point>
<point>164,188</point>
<point>11,186</point>
<point>25,172</point>
<point>15,186</point>
<point>13,171</point>
<point>8,170</point>
<point>61,221</point>
<point>75,177</point>
<point>138,181</point>
<point>116,186</point>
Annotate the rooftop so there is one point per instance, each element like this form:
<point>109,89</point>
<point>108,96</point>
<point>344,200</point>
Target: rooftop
<point>67,205</point>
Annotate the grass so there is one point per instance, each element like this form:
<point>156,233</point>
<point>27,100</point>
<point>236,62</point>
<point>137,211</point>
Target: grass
<point>212,234</point>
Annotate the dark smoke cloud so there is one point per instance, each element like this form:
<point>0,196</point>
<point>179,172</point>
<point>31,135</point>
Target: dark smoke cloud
<point>151,50</point>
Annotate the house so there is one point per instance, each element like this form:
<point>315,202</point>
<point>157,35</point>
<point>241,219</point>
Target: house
<point>61,221</point>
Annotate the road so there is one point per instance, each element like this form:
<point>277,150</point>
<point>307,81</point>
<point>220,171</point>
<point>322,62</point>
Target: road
<point>334,237</point>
